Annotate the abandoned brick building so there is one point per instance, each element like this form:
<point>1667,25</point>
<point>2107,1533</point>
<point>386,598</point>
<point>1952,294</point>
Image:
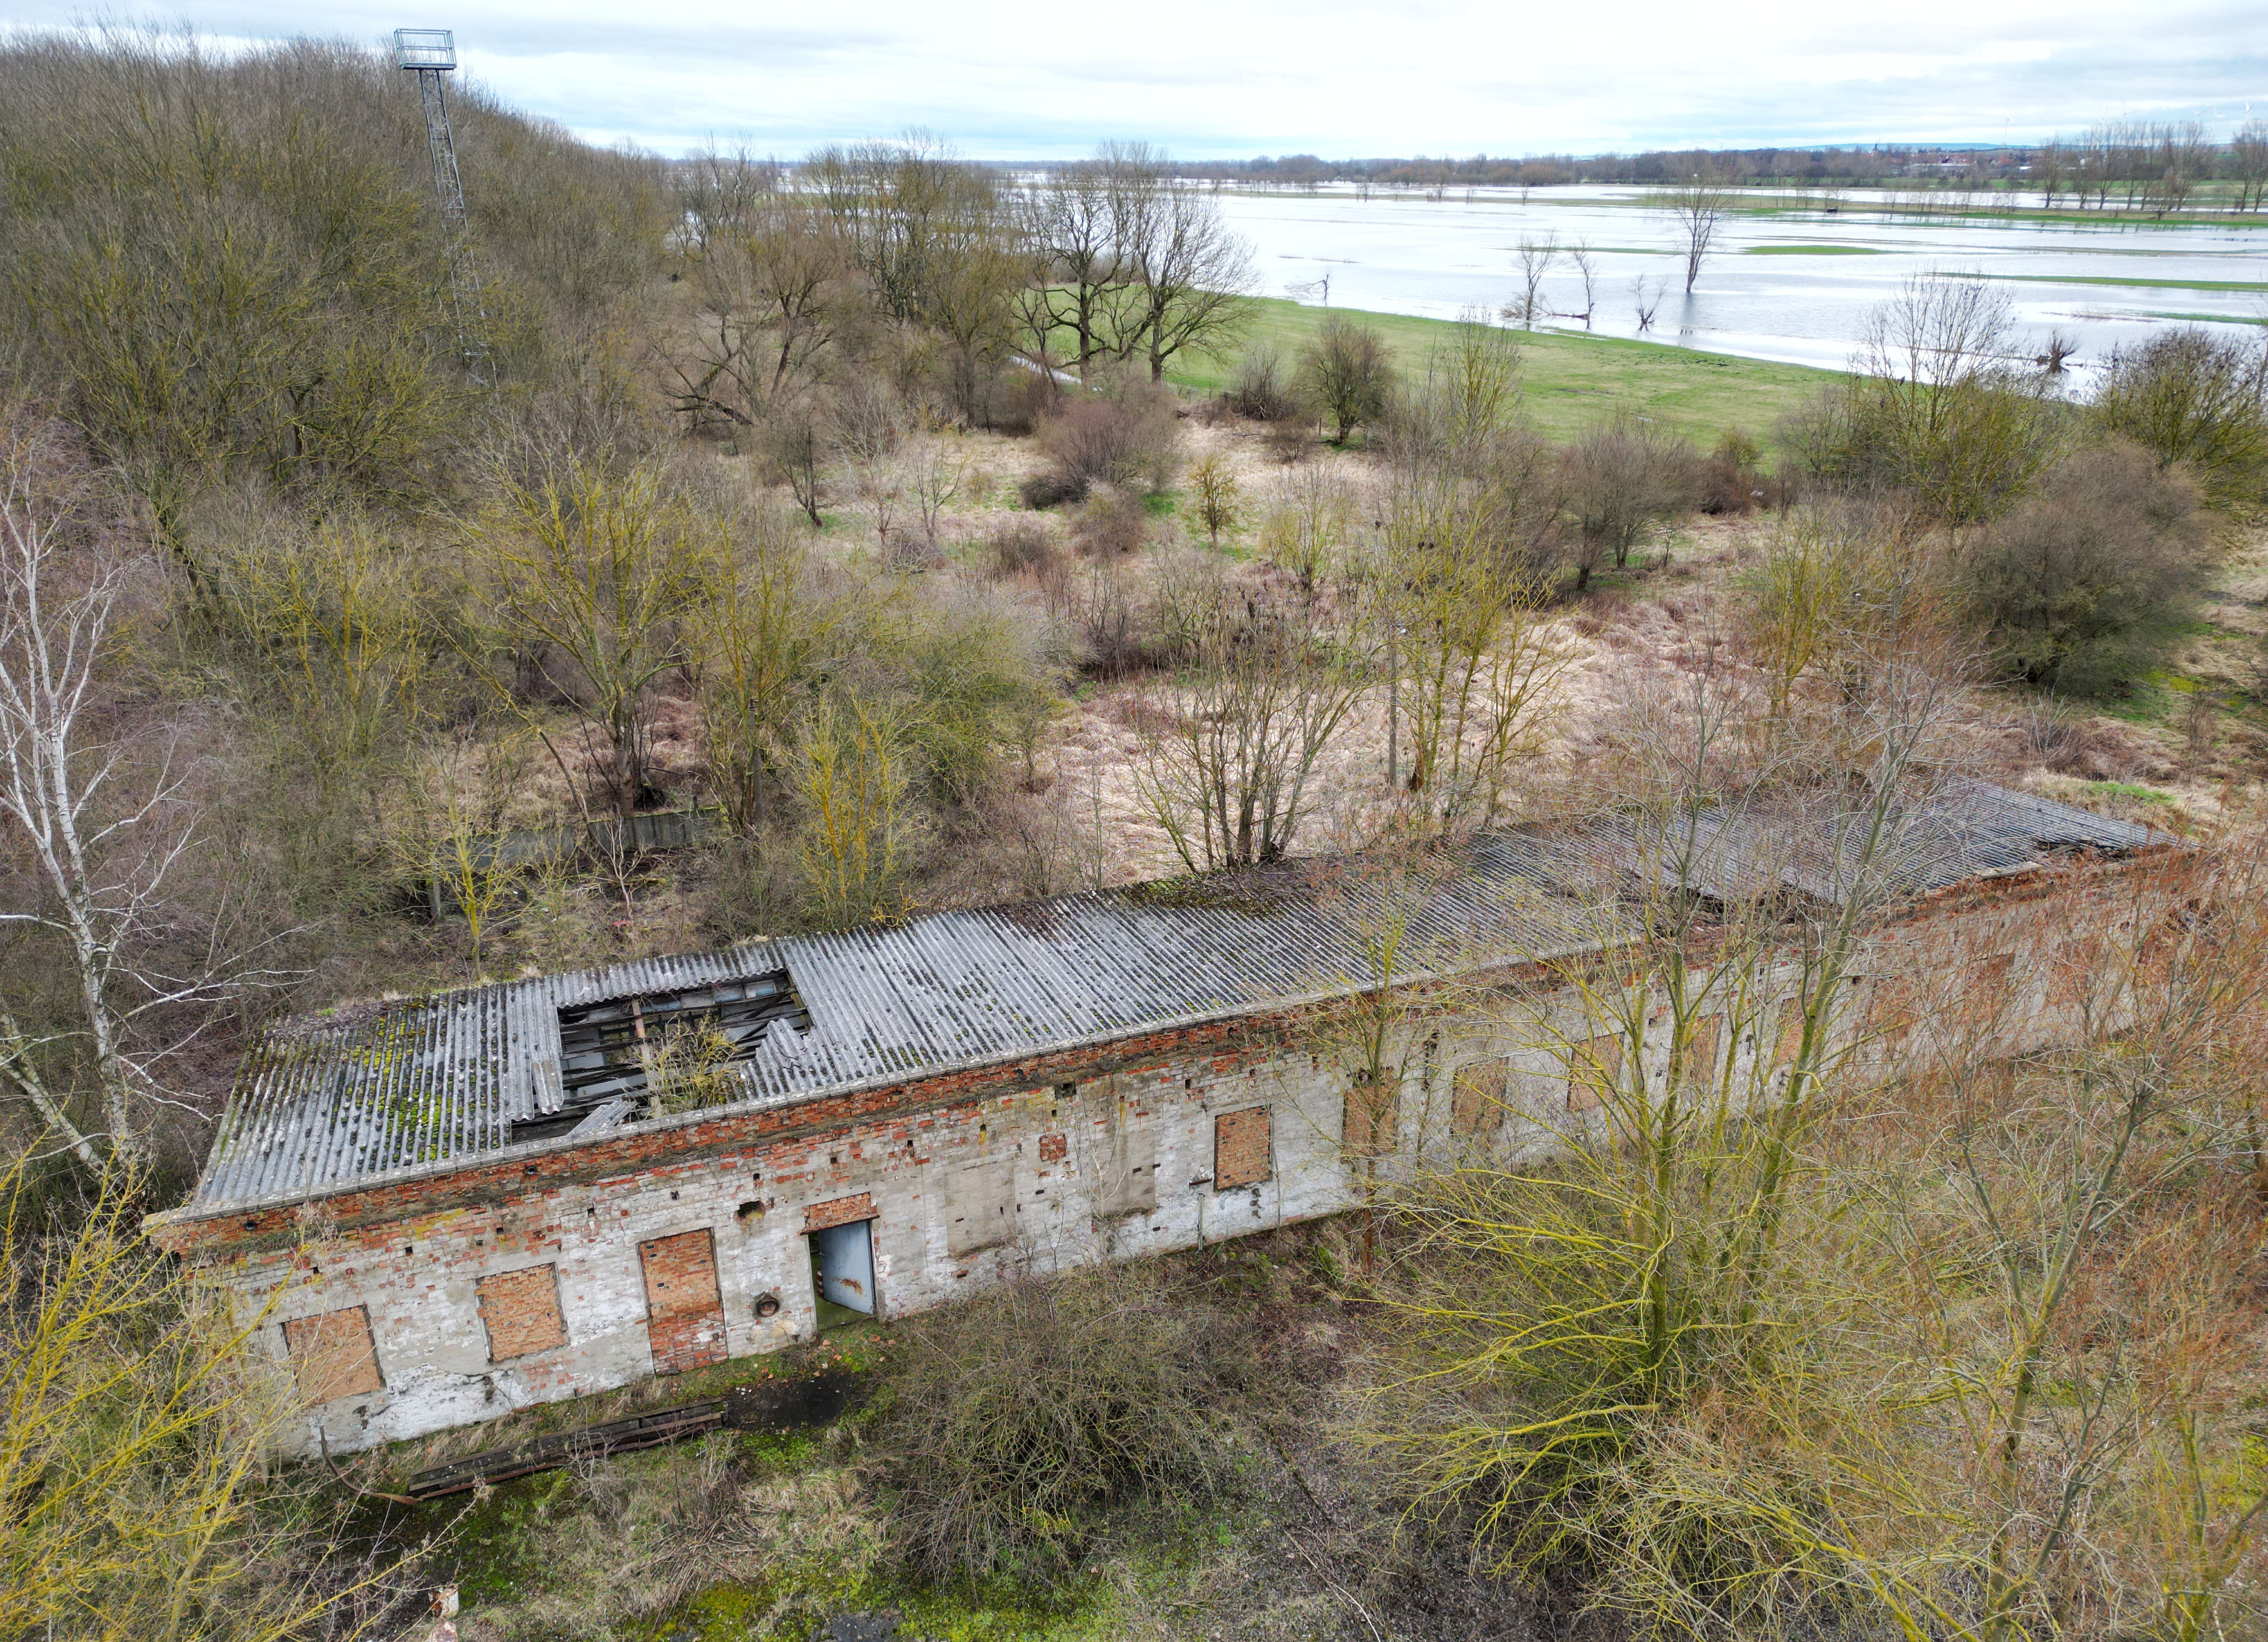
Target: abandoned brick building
<point>456,1205</point>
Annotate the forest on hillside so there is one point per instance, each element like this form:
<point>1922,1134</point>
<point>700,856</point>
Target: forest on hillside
<point>815,543</point>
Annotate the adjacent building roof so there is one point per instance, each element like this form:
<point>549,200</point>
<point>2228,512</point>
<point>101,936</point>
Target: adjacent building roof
<point>471,1074</point>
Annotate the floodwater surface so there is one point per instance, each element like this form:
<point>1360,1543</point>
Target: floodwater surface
<point>1797,285</point>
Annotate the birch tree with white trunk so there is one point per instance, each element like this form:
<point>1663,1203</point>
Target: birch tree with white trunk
<point>94,830</point>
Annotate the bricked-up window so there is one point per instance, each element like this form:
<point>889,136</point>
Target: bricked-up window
<point>1704,1040</point>
<point>1898,1002</point>
<point>333,1355</point>
<point>1479,1096</point>
<point>980,1200</point>
<point>1593,1071</point>
<point>1128,1158</point>
<point>1984,990</point>
<point>1239,1148</point>
<point>1789,1042</point>
<point>608,1049</point>
<point>685,1317</point>
<point>1371,1115</point>
<point>520,1310</point>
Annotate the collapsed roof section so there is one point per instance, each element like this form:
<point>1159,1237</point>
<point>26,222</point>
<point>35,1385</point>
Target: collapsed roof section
<point>554,1059</point>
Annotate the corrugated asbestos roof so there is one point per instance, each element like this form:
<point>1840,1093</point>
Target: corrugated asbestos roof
<point>439,1080</point>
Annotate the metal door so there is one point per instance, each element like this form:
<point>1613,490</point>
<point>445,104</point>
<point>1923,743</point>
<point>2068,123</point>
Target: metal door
<point>843,1258</point>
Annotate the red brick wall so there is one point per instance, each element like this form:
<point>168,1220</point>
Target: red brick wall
<point>333,1355</point>
<point>1595,1068</point>
<point>1239,1148</point>
<point>520,1310</point>
<point>839,1212</point>
<point>684,1316</point>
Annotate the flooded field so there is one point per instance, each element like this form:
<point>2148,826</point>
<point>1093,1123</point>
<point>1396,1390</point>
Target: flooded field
<point>1792,285</point>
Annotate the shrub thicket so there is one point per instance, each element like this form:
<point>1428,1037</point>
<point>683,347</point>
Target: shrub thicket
<point>2201,401</point>
<point>1261,388</point>
<point>1124,438</point>
<point>1620,479</point>
<point>1020,1415</point>
<point>2080,587</point>
<point>1347,375</point>
<point>1937,406</point>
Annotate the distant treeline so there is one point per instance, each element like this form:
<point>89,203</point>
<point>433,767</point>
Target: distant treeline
<point>2122,164</point>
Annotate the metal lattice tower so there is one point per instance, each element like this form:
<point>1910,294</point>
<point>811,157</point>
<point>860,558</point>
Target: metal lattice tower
<point>430,54</point>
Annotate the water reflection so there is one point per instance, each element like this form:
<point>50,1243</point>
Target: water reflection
<point>1793,286</point>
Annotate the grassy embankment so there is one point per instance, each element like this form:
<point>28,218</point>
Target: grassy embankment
<point>2133,280</point>
<point>1572,381</point>
<point>1860,202</point>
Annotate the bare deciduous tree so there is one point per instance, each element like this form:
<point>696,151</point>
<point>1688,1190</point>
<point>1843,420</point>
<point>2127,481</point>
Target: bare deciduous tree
<point>1226,765</point>
<point>1697,205</point>
<point>756,645</point>
<point>1214,492</point>
<point>103,825</point>
<point>938,469</point>
<point>1645,298</point>
<point>1345,373</point>
<point>136,1430</point>
<point>1475,661</point>
<point>1075,237</point>
<point>596,570</point>
<point>852,780</point>
<point>1621,476</point>
<point>1310,520</point>
<point>1534,259</point>
<point>1586,264</point>
<point>774,281</point>
<point>1943,404</point>
<point>1193,273</point>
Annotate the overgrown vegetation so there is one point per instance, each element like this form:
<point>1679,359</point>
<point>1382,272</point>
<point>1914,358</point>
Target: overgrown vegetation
<point>1021,1418</point>
<point>846,517</point>
<point>131,1450</point>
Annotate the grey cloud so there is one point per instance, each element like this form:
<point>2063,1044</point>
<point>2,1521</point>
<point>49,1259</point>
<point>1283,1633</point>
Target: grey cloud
<point>786,82</point>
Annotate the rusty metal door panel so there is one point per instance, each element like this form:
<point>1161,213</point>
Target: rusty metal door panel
<point>843,1257</point>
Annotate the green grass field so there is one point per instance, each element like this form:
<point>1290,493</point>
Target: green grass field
<point>2128,279</point>
<point>2207,318</point>
<point>1570,382</point>
<point>1814,250</point>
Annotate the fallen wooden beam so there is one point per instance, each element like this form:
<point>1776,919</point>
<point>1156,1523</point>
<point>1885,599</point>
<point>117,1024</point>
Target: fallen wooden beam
<point>781,1404</point>
<point>544,1454</point>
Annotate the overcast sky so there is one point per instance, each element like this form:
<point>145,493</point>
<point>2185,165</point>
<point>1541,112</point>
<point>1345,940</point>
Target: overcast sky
<point>1336,77</point>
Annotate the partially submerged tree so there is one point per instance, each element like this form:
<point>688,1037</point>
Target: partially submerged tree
<point>1697,205</point>
<point>1533,260</point>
